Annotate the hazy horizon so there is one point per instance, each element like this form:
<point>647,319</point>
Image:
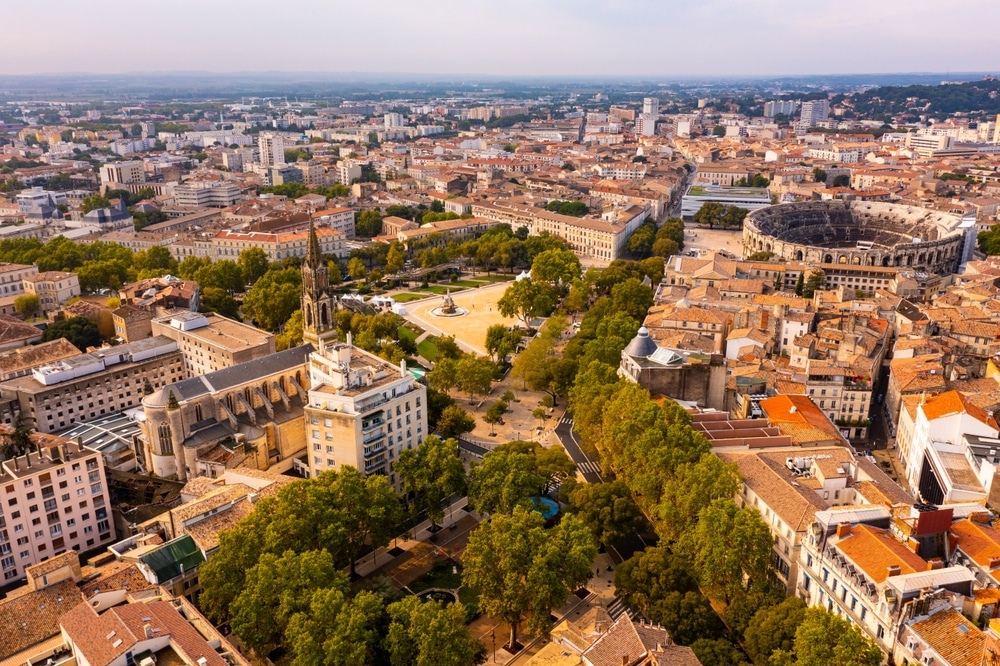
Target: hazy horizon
<point>628,39</point>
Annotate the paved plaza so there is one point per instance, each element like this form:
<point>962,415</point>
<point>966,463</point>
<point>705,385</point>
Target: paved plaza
<point>469,329</point>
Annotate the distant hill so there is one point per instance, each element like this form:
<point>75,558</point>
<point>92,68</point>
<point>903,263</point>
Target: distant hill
<point>940,100</point>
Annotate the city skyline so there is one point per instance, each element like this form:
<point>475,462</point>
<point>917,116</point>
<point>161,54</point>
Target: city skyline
<point>626,38</point>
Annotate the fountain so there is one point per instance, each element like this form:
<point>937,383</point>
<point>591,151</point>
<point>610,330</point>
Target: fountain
<point>448,308</point>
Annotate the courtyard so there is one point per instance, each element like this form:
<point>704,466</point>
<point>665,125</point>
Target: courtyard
<point>469,329</point>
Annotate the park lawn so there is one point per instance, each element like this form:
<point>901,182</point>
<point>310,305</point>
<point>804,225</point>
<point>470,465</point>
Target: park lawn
<point>428,348</point>
<point>495,278</point>
<point>407,297</point>
<point>407,334</point>
<point>467,283</point>
<point>436,289</point>
<point>440,576</point>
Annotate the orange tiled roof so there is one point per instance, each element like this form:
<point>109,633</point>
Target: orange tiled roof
<point>874,550</point>
<point>977,540</point>
<point>951,635</point>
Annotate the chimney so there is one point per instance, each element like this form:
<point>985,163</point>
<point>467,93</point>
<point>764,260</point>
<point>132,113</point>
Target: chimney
<point>27,459</point>
<point>624,660</point>
<point>934,563</point>
<point>148,630</point>
<point>843,529</point>
<point>980,517</point>
<point>894,570</point>
<point>994,562</point>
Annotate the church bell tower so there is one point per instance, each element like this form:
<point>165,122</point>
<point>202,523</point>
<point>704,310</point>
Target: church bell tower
<point>318,303</point>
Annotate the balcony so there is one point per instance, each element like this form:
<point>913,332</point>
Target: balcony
<point>369,424</point>
<point>373,451</point>
<point>373,437</point>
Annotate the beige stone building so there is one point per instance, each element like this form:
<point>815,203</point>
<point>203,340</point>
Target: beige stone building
<point>53,288</point>
<point>211,342</point>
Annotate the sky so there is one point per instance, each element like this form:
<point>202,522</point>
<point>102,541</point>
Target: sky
<point>627,38</point>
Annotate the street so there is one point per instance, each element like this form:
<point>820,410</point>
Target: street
<point>590,470</point>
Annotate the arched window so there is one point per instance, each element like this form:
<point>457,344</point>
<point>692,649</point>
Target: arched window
<point>166,443</point>
<point>197,414</point>
<point>324,316</point>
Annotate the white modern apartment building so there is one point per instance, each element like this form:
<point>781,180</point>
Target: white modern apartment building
<point>207,194</point>
<point>339,219</point>
<point>645,124</point>
<point>650,105</point>
<point>362,411</point>
<point>933,440</point>
<point>272,149</point>
<point>123,173</point>
<point>815,111</point>
<point>51,501</point>
<point>393,120</point>
<point>785,107</point>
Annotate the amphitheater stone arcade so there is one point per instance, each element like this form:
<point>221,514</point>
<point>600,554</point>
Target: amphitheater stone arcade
<point>857,233</point>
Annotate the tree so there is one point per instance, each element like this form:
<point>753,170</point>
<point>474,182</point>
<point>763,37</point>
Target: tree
<point>27,305</point>
<point>93,202</point>
<point>494,414</point>
<point>337,631</point>
<point>525,299</point>
<point>716,652</point>
<point>395,260</point>
<point>156,258</point>
<point>539,413</point>
<point>214,299</point>
<point>641,242</point>
<point>763,255</point>
<point>730,545</point>
<point>631,298</point>
<point>501,481</point>
<point>607,509</point>
<point>431,474</point>
<point>665,247</point>
<point>718,130</point>
<point>815,282</point>
<point>522,570</point>
<point>710,213</point>
<point>80,331</point>
<point>274,297</point>
<point>367,510</point>
<point>843,180</point>
<point>291,333</point>
<point>474,375</point>
<point>773,628</point>
<point>819,175</point>
<point>356,268</point>
<point>368,223</point>
<point>253,263</point>
<point>18,441</point>
<point>800,284</point>
<point>429,634</point>
<point>277,588</point>
<point>454,421</point>
<point>823,639</point>
<point>555,266</point>
<point>500,342</point>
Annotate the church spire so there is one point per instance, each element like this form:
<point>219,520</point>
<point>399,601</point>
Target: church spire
<point>313,256</point>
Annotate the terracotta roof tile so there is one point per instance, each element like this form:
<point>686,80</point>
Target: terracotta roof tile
<point>951,635</point>
<point>874,550</point>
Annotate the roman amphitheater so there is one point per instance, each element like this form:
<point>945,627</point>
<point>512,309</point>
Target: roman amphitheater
<point>856,232</point>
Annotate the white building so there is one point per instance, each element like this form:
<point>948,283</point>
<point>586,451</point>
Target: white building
<point>393,120</point>
<point>933,443</point>
<point>645,124</point>
<point>272,149</point>
<point>123,173</point>
<point>785,107</point>
<point>207,194</point>
<point>650,106</point>
<point>815,111</point>
<point>340,219</point>
<point>362,411</point>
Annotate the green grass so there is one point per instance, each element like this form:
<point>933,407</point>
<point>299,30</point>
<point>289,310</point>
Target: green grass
<point>407,297</point>
<point>495,278</point>
<point>428,349</point>
<point>435,289</point>
<point>467,283</point>
<point>442,577</point>
<point>407,334</point>
<point>439,576</point>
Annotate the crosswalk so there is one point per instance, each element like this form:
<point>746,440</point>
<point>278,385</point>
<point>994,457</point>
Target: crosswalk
<point>568,420</point>
<point>589,467</point>
<point>617,608</point>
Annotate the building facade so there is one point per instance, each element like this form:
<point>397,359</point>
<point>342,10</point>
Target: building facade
<point>210,342</point>
<point>52,500</point>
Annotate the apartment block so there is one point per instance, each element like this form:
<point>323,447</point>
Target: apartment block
<point>51,501</point>
<point>210,342</point>
<point>228,244</point>
<point>84,387</point>
<point>338,219</point>
<point>362,411</point>
<point>207,194</point>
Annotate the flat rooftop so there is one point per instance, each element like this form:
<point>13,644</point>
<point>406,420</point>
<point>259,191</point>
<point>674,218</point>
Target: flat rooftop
<point>222,332</point>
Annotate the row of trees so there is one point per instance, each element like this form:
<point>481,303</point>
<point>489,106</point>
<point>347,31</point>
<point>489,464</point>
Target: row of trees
<point>715,214</point>
<point>665,241</point>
